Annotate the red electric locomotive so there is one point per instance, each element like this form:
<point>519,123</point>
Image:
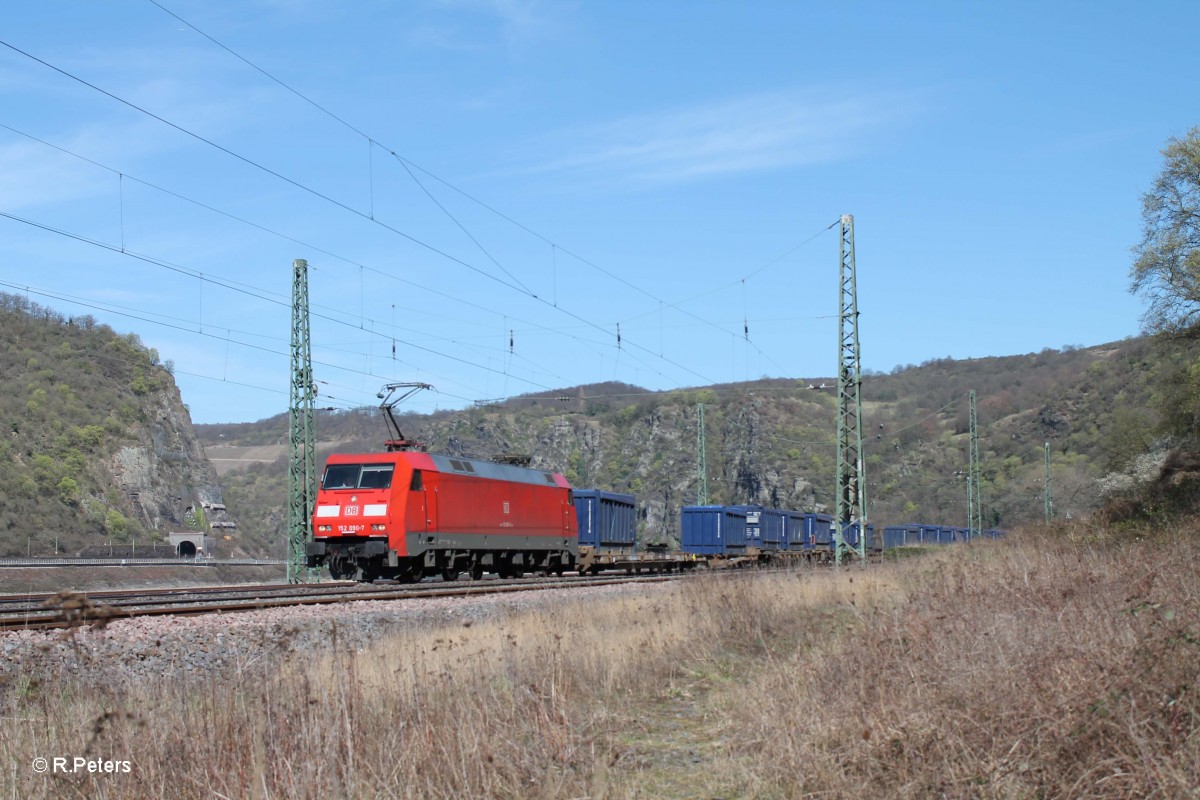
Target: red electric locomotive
<point>404,514</point>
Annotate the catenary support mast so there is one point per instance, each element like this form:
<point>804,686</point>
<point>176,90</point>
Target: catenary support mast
<point>1047,497</point>
<point>851,505</point>
<point>302,475</point>
<point>974,498</point>
<point>701,459</point>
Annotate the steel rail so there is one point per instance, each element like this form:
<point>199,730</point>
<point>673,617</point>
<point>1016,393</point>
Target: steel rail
<point>99,615</point>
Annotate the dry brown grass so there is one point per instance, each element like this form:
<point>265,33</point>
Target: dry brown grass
<point>1029,669</point>
<point>1048,669</point>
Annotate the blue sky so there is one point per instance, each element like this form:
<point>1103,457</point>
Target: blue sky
<point>555,169</point>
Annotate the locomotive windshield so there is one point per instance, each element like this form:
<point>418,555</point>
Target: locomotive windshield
<point>358,476</point>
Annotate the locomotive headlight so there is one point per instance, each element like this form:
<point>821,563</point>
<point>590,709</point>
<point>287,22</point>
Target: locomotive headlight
<point>378,527</point>
<point>324,528</point>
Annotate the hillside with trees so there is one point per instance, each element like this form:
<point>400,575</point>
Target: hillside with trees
<point>97,444</point>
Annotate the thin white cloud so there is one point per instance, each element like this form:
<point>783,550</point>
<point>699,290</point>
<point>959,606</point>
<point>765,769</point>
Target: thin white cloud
<point>764,131</point>
<point>1082,144</point>
<point>30,177</point>
<point>32,174</point>
<point>192,86</point>
<point>440,37</point>
<point>518,23</point>
<point>132,299</point>
<point>524,21</point>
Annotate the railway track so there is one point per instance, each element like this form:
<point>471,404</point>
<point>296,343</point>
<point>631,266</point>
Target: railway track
<point>33,601</point>
<point>67,610</point>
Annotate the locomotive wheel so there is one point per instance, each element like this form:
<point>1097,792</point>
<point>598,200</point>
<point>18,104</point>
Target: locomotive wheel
<point>476,571</point>
<point>449,574</point>
<point>342,568</point>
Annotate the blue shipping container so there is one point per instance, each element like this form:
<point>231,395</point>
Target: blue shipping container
<point>901,535</point>
<point>753,524</point>
<point>764,527</point>
<point>793,530</point>
<point>852,534</point>
<point>712,530</point>
<point>607,520</point>
<point>818,529</point>
<point>773,529</point>
<point>929,534</point>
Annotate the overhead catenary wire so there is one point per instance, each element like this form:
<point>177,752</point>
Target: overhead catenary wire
<point>29,290</point>
<point>259,166</point>
<point>467,233</point>
<point>327,198</point>
<point>361,266</point>
<point>371,144</point>
<point>409,166</point>
<point>247,289</point>
<point>186,271</point>
<point>407,163</point>
<point>154,317</point>
<point>135,362</point>
<point>348,405</point>
<point>270,231</point>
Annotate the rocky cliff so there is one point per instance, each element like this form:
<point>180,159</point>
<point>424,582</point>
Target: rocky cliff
<point>99,444</point>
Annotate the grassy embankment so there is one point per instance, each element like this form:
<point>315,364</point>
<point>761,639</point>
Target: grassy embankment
<point>1039,667</point>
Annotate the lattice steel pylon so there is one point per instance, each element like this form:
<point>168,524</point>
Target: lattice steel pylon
<point>302,475</point>
<point>974,498</point>
<point>851,505</point>
<point>1047,498</point>
<point>701,459</point>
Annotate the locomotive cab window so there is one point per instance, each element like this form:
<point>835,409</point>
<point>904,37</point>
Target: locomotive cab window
<point>376,476</point>
<point>341,476</point>
<point>358,476</point>
<point>415,485</point>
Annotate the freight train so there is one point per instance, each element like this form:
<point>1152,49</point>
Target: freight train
<point>405,514</point>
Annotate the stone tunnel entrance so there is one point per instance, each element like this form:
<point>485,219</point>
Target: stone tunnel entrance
<point>192,544</point>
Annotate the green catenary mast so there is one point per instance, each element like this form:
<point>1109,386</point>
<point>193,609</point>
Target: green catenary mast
<point>974,498</point>
<point>302,475</point>
<point>851,505</point>
<point>1047,498</point>
<point>701,459</point>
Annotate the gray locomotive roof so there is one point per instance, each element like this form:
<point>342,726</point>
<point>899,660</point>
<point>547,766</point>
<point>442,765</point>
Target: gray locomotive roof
<point>488,469</point>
